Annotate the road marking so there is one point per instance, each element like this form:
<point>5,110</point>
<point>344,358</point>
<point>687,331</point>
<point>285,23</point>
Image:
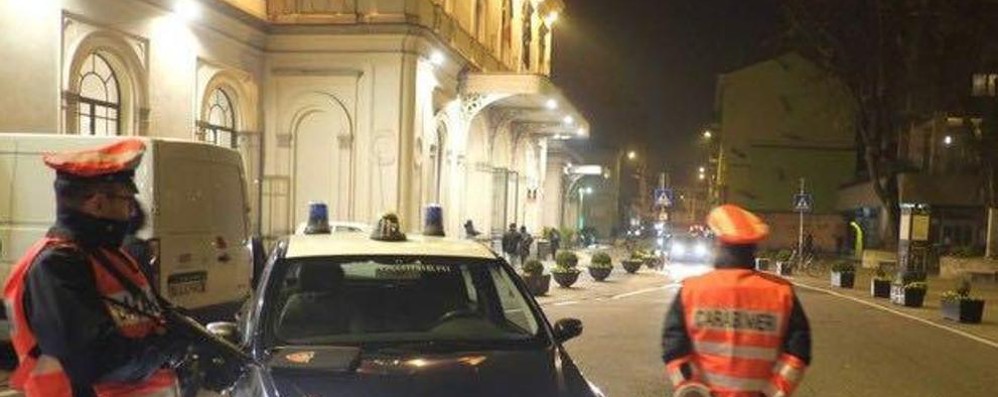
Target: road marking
<point>638,292</point>
<point>10,393</point>
<point>565,303</point>
<point>903,314</point>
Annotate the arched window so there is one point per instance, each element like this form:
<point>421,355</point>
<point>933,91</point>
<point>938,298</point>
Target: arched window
<point>100,98</point>
<point>220,126</point>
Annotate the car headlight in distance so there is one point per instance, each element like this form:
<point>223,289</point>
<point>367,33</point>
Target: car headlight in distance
<point>700,250</point>
<point>678,249</point>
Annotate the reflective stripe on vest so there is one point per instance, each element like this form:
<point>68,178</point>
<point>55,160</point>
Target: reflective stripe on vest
<point>729,350</point>
<point>734,383</point>
<point>42,376</point>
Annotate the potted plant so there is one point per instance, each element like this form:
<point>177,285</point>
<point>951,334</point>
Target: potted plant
<point>911,294</point>
<point>959,306</point>
<point>843,274</point>
<point>564,272</point>
<point>763,261</point>
<point>633,264</point>
<point>783,265</point>
<point>880,285</point>
<point>600,266</point>
<point>537,282</point>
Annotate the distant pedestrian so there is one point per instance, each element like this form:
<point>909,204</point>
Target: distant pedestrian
<point>808,245</point>
<point>523,247</point>
<point>510,243</point>
<point>555,238</point>
<point>469,230</point>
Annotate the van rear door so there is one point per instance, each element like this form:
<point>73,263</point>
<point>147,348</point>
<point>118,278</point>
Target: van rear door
<point>200,218</point>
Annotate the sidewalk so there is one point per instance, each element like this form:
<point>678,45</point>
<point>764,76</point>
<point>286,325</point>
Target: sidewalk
<point>930,311</point>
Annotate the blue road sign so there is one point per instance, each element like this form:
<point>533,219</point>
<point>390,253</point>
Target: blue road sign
<point>803,202</point>
<point>664,197</point>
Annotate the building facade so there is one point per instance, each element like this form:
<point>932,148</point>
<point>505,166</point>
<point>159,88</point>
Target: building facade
<point>368,105</point>
<point>782,120</point>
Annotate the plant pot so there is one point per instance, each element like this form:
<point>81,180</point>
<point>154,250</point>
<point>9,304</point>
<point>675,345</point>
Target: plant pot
<point>880,288</point>
<point>566,279</point>
<point>843,279</point>
<point>911,297</point>
<point>652,262</point>
<point>784,268</point>
<point>538,285</point>
<point>600,273</point>
<point>762,264</point>
<point>964,311</point>
<point>631,266</point>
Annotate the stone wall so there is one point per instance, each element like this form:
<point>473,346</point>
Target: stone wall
<point>954,267</point>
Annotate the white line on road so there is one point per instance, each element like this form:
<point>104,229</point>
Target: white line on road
<point>903,314</point>
<point>638,292</point>
<point>565,303</point>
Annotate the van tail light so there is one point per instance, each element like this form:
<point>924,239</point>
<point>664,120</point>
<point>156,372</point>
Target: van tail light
<point>155,267</point>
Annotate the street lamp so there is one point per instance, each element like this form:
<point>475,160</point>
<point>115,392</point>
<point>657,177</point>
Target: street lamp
<point>948,140</point>
<point>702,170</point>
<point>631,155</point>
<point>707,134</point>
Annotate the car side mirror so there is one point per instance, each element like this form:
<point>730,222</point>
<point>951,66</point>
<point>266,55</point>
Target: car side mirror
<point>567,328</point>
<point>225,330</point>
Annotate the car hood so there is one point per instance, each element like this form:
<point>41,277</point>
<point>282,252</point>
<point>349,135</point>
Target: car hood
<point>544,372</point>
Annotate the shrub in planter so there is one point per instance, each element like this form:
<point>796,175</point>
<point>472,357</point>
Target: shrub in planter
<point>537,282</point>
<point>600,266</point>
<point>783,265</point>
<point>911,294</point>
<point>566,259</point>
<point>960,306</point>
<point>843,274</point>
<point>633,264</point>
<point>565,277</point>
<point>880,285</point>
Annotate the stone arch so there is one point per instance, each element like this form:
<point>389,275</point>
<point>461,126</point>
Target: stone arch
<point>129,70</point>
<point>321,160</point>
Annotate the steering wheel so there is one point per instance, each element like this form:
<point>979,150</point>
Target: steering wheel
<point>455,314</point>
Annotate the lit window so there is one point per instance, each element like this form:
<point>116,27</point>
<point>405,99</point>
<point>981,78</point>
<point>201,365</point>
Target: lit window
<point>985,85</point>
<point>220,127</point>
<point>100,100</point>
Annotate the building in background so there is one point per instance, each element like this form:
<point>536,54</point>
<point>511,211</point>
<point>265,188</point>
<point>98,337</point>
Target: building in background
<point>779,121</point>
<point>371,106</point>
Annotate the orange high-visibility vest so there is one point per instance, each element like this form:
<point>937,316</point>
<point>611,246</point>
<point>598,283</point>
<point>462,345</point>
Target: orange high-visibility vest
<point>39,375</point>
<point>736,320</point>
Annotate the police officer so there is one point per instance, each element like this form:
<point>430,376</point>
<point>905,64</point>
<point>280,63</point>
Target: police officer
<point>84,320</point>
<point>735,331</point>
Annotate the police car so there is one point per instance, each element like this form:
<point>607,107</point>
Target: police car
<point>351,314</point>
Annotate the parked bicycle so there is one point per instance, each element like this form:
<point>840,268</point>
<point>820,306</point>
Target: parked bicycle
<point>808,264</point>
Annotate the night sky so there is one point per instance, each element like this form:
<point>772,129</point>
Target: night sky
<point>644,71</point>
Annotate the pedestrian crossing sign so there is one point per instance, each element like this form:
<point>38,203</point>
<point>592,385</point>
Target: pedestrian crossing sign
<point>664,197</point>
<point>803,202</point>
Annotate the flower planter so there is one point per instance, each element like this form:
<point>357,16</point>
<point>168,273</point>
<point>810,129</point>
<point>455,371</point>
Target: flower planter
<point>566,279</point>
<point>843,279</point>
<point>880,288</point>
<point>631,266</point>
<point>600,273</point>
<point>910,297</point>
<point>537,285</point>
<point>964,310</point>
<point>652,262</point>
<point>784,268</point>
<point>762,264</point>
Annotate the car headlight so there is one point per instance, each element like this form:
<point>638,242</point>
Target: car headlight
<point>700,250</point>
<point>678,249</point>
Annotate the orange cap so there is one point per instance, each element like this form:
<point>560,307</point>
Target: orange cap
<point>115,158</point>
<point>734,225</point>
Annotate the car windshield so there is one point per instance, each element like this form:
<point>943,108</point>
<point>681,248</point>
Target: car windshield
<point>370,301</point>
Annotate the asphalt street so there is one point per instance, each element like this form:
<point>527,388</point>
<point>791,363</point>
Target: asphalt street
<point>858,350</point>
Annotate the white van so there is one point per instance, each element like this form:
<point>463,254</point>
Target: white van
<point>195,198</point>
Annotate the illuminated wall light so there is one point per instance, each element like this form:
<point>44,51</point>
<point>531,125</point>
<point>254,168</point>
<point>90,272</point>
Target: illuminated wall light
<point>551,18</point>
<point>580,132</point>
<point>702,170</point>
<point>551,104</point>
<point>437,58</point>
<point>187,10</point>
<point>568,120</point>
<point>948,140</point>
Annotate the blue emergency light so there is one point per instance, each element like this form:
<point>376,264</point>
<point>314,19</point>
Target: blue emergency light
<point>318,218</point>
<point>433,221</point>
